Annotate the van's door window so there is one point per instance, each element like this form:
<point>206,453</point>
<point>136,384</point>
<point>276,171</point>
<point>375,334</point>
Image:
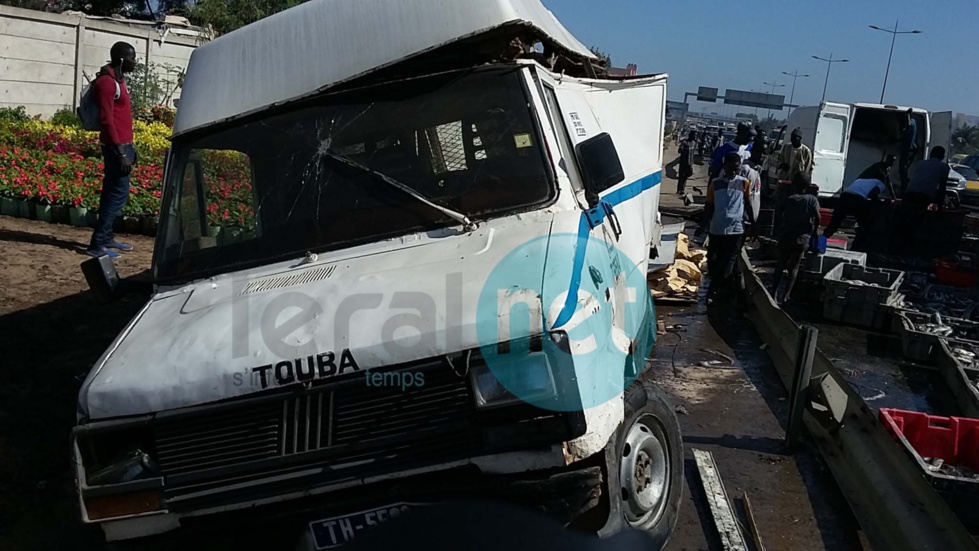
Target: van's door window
<point>316,177</point>
<point>831,134</point>
<point>568,162</point>
<point>215,203</point>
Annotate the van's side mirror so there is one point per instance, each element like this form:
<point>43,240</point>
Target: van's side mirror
<point>599,164</point>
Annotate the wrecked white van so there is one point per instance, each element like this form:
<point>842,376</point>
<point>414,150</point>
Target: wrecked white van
<point>401,258</point>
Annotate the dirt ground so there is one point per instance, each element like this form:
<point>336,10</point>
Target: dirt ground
<point>52,331</point>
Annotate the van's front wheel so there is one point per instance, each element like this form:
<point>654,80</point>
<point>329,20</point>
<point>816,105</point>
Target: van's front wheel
<point>650,463</point>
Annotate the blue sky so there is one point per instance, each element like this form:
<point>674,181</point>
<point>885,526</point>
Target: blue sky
<point>741,45</point>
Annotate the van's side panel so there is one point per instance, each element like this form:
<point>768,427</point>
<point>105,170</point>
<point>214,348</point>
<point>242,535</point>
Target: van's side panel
<point>632,113</point>
<point>803,118</point>
<point>940,126</point>
<point>830,146</point>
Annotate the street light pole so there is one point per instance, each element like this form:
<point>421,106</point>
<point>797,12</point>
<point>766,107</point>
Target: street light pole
<point>894,34</point>
<point>795,75</point>
<point>829,65</point>
<point>773,85</point>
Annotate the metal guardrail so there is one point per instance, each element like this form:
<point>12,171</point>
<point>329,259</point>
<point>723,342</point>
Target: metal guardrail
<point>894,504</point>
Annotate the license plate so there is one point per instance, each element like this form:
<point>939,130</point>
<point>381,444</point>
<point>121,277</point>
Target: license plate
<point>336,531</point>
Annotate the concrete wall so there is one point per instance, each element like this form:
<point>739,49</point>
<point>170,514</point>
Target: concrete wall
<point>45,57</point>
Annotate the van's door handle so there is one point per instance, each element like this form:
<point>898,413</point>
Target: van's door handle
<point>614,220</point>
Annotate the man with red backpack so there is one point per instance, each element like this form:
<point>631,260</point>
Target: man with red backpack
<point>116,135</point>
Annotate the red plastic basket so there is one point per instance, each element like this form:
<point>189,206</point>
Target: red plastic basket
<point>953,439</point>
<point>950,273</point>
<point>825,217</point>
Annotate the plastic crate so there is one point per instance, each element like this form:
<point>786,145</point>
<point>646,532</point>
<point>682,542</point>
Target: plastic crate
<point>822,263</point>
<point>858,295</point>
<point>916,345</point>
<point>949,273</point>
<point>861,314</point>
<point>955,440</point>
<point>825,217</point>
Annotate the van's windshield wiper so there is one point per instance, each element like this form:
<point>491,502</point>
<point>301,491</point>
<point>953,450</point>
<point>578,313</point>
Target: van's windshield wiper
<point>467,224</point>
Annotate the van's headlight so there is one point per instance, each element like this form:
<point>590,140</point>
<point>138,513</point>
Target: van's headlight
<point>525,378</point>
<point>118,456</point>
<point>117,475</point>
<point>126,467</point>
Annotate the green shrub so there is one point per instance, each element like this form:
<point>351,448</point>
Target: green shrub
<point>66,117</point>
<point>14,114</point>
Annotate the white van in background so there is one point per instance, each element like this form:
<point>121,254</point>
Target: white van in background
<point>846,138</point>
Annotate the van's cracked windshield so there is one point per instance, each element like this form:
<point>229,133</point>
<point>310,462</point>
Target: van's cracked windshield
<point>313,178</point>
<point>508,275</point>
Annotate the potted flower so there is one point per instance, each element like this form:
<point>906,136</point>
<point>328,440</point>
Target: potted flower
<point>24,206</point>
<point>78,211</point>
<point>46,196</point>
<point>151,222</point>
<point>59,212</point>
<point>130,214</point>
<point>8,206</point>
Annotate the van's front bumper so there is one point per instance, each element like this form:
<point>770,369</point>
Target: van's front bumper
<point>562,493</point>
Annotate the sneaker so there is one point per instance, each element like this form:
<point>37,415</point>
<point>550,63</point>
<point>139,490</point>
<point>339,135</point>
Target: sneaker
<point>99,251</point>
<point>124,247</point>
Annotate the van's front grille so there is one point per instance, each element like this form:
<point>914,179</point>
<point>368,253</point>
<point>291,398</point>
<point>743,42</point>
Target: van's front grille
<point>384,427</point>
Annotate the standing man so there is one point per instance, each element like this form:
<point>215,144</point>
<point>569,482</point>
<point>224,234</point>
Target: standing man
<point>800,220</point>
<point>930,178</point>
<point>717,140</point>
<point>727,196</point>
<point>925,192</point>
<point>687,148</point>
<point>758,146</point>
<point>118,153</point>
<point>908,144</point>
<point>741,144</point>
<point>794,158</point>
<point>752,172</point>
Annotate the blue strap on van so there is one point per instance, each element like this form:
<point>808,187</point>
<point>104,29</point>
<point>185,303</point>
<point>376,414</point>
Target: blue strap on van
<point>590,219</point>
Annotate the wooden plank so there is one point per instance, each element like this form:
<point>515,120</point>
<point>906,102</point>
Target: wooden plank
<point>752,526</point>
<point>720,506</point>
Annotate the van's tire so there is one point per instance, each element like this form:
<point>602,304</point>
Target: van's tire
<point>645,465</point>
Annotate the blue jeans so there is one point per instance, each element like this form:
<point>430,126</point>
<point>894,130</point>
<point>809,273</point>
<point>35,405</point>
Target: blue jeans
<point>115,193</point>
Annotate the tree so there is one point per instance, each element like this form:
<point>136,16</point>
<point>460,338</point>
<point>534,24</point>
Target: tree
<point>965,139</point>
<point>228,15</point>
<point>133,9</point>
<point>603,57</point>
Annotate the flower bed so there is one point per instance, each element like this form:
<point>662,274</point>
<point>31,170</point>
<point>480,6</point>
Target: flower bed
<point>49,164</point>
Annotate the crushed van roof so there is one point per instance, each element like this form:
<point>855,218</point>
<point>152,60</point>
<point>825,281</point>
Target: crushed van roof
<point>322,43</point>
